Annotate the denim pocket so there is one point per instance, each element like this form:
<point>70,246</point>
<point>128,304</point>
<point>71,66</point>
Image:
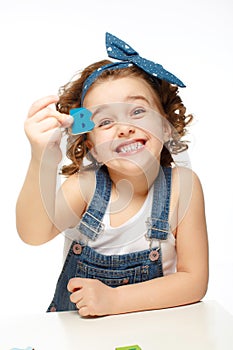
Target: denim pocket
<point>113,278</point>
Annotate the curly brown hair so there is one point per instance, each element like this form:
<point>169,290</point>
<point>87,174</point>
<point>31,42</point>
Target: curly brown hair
<point>167,95</point>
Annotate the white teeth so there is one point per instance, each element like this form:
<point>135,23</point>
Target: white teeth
<point>131,147</point>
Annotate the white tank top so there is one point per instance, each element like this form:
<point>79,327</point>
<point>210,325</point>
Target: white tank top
<point>129,237</point>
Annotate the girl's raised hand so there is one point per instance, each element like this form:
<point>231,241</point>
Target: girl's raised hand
<point>43,129</point>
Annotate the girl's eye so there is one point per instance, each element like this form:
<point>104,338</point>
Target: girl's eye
<point>105,122</point>
<point>138,112</point>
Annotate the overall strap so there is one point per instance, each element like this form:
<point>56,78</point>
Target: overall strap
<point>158,224</point>
<point>91,222</point>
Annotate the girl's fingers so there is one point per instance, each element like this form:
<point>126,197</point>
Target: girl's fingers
<point>41,104</point>
<point>68,121</point>
<point>75,284</point>
<point>55,135</point>
<point>33,130</point>
<point>48,124</point>
<point>41,111</point>
<point>76,297</point>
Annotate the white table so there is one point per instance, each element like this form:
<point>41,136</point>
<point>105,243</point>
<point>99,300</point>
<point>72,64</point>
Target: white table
<point>201,326</point>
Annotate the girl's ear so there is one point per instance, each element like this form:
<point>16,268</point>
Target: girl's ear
<point>89,144</point>
<point>167,131</point>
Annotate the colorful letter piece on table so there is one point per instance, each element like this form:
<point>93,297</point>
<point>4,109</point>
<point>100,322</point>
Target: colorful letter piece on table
<point>129,347</point>
<point>28,348</point>
<point>82,121</point>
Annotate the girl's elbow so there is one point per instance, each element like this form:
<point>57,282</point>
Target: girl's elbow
<point>200,289</point>
<point>27,239</point>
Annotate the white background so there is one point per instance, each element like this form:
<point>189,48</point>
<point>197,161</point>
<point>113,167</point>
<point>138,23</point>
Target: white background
<point>44,43</point>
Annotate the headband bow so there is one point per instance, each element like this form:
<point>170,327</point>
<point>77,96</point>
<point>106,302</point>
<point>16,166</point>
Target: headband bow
<point>118,49</point>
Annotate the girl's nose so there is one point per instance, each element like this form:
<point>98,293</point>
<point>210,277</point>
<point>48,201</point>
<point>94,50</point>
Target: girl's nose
<point>125,130</point>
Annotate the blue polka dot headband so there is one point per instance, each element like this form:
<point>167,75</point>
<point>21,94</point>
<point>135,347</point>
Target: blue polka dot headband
<point>118,49</point>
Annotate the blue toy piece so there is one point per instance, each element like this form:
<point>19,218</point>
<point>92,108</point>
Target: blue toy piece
<point>82,121</point>
<point>28,348</point>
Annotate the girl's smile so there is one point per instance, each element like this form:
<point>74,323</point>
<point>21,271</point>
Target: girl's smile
<point>130,147</point>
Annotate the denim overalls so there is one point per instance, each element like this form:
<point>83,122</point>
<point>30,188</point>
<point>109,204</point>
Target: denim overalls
<point>115,270</point>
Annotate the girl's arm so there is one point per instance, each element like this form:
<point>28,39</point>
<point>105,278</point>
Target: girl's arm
<point>39,208</point>
<point>189,283</point>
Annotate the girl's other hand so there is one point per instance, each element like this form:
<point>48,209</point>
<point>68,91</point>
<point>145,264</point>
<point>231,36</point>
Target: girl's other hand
<point>91,296</point>
<point>43,129</point>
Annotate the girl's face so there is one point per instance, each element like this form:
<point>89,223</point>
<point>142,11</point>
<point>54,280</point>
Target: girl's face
<point>129,130</point>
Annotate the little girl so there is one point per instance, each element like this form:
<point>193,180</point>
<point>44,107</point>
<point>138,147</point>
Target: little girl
<point>134,221</point>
